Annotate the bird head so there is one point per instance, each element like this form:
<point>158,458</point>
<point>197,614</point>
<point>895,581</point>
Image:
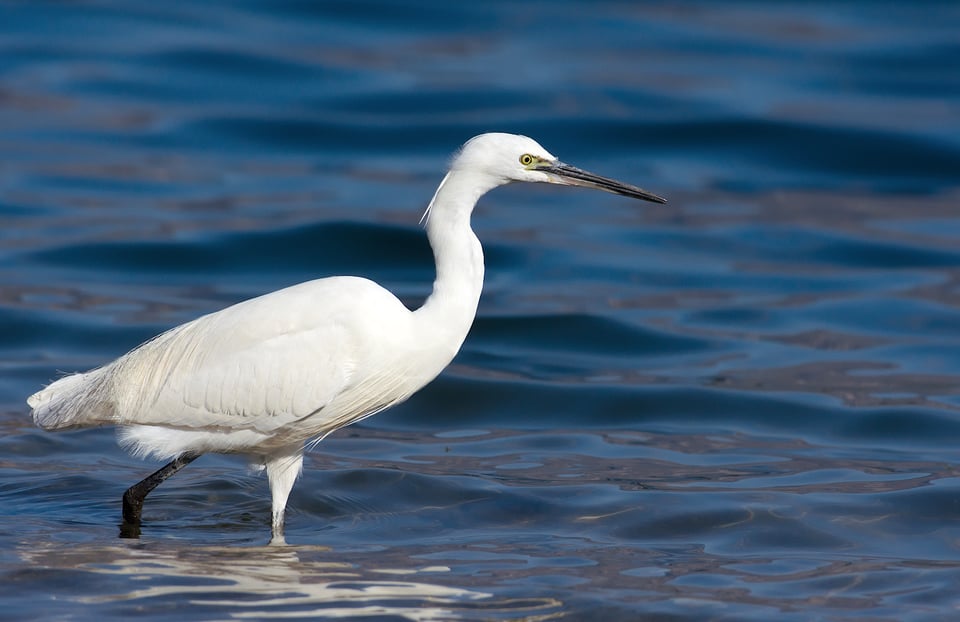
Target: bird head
<point>511,157</point>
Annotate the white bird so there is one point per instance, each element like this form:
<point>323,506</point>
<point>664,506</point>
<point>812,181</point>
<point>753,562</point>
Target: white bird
<point>263,377</point>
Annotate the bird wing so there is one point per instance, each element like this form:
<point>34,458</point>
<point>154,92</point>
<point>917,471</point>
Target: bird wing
<point>260,365</point>
<point>269,381</point>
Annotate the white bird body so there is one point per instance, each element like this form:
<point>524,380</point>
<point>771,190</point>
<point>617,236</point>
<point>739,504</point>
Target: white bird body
<point>268,374</point>
<point>299,358</point>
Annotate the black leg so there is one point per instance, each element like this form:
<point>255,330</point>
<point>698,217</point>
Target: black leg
<point>133,498</point>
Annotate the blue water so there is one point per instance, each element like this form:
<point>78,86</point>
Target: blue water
<point>744,405</point>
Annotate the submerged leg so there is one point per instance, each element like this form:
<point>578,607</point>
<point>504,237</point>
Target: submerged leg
<point>133,498</point>
<point>283,468</point>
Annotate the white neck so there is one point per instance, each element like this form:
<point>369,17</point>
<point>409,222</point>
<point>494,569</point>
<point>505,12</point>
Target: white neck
<point>450,309</point>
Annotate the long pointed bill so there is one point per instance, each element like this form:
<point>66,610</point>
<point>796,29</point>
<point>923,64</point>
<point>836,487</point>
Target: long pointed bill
<point>572,176</point>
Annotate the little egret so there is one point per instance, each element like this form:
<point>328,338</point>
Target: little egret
<point>263,377</point>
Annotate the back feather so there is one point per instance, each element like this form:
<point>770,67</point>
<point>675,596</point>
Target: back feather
<point>73,401</point>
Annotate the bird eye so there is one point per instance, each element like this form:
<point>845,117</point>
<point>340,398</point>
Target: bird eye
<point>526,159</point>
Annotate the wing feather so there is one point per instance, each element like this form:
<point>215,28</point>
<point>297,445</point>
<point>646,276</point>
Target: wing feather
<point>261,364</point>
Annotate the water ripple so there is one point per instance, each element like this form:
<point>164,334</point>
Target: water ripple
<point>739,405</point>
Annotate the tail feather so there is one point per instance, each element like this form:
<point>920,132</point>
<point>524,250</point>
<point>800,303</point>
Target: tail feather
<point>71,402</point>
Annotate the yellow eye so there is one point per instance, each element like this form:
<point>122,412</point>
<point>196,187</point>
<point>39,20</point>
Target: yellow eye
<point>526,159</point>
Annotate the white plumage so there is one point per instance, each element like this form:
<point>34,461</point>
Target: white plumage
<point>266,375</point>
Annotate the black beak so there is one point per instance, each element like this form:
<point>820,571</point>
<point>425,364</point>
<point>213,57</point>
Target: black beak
<point>572,176</point>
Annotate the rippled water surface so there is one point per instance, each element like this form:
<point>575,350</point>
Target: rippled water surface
<point>742,405</point>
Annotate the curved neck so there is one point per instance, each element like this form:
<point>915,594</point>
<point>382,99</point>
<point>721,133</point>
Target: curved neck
<point>450,309</point>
